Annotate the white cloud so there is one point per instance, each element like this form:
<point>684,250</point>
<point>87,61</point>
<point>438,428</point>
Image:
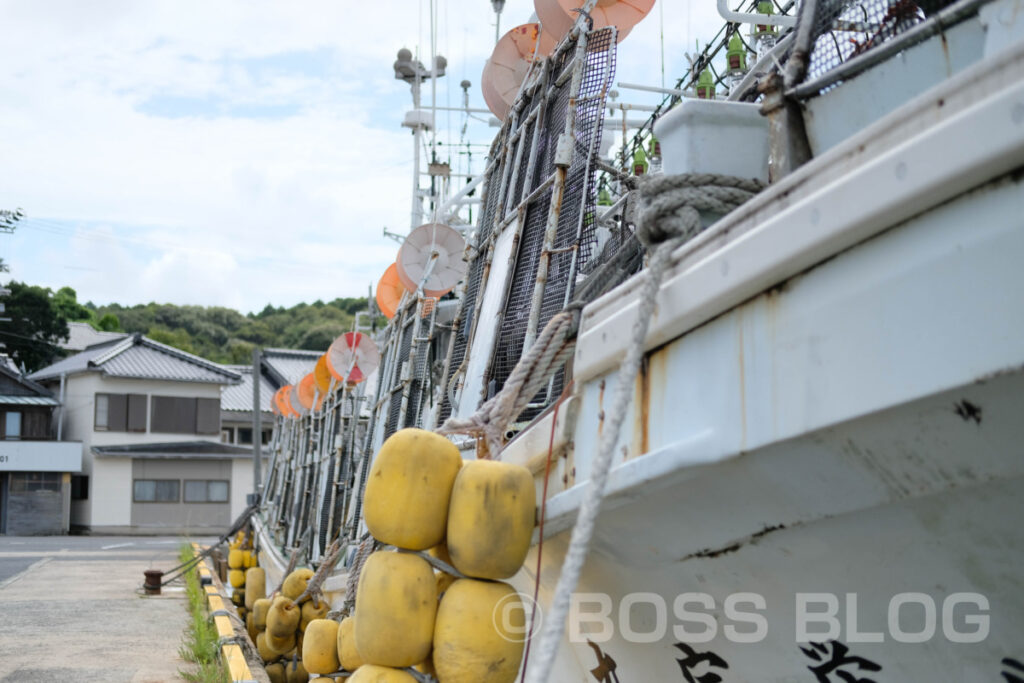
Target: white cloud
<point>220,209</point>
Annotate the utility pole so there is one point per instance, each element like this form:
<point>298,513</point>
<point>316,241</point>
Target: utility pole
<point>257,426</point>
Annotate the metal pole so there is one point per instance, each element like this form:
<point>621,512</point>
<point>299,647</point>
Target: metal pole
<point>257,424</point>
<point>60,418</point>
<point>417,203</point>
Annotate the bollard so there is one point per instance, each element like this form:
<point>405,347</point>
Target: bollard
<point>153,579</point>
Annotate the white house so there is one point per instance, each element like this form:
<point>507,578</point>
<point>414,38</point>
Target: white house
<point>149,419</point>
<point>278,367</point>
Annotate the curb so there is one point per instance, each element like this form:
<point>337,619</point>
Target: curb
<point>240,669</point>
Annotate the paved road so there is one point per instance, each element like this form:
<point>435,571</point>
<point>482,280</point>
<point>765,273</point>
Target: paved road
<point>72,610</point>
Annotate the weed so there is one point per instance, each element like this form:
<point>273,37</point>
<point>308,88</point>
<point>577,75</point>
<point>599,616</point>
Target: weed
<point>199,642</point>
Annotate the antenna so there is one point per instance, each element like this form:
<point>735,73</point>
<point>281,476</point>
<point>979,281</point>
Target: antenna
<point>389,292</point>
<point>431,258</point>
<point>505,71</point>
<point>352,357</point>
<point>557,16</point>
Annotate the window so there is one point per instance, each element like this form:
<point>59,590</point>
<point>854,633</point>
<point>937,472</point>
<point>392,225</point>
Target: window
<point>28,482</point>
<point>12,425</point>
<point>35,424</point>
<point>227,435</point>
<point>265,438</point>
<point>156,490</point>
<point>245,435</point>
<point>206,491</point>
<point>120,412</point>
<point>185,415</point>
<point>79,487</point>
<point>102,410</point>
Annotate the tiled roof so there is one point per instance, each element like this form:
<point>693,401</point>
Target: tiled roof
<point>137,357</point>
<point>176,449</point>
<point>27,392</point>
<point>28,401</point>
<point>290,364</point>
<point>238,397</point>
<point>81,336</point>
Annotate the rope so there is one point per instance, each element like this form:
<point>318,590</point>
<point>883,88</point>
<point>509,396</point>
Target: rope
<point>315,584</point>
<point>293,562</point>
<point>671,206</point>
<point>185,567</point>
<point>366,548</point>
<point>553,347</point>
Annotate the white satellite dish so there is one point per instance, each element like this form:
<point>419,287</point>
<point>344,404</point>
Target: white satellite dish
<point>352,357</point>
<point>295,403</point>
<point>431,254</point>
<point>505,71</point>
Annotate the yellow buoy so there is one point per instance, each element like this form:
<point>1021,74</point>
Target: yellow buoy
<point>276,674</point>
<point>236,558</point>
<point>283,617</point>
<point>255,585</point>
<point>491,519</point>
<point>320,646</point>
<point>313,610</point>
<point>295,583</point>
<point>250,627</point>
<point>236,577</point>
<point>406,499</point>
<point>266,654</point>
<point>280,645</point>
<point>479,634</point>
<point>295,671</point>
<point>395,608</point>
<point>371,673</point>
<point>347,653</point>
<point>444,580</point>
<point>259,613</point>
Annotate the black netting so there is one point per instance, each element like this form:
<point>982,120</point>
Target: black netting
<point>395,404</point>
<point>844,29</point>
<point>575,234</point>
<point>474,277</point>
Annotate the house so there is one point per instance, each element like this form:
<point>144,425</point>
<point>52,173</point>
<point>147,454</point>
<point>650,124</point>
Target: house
<point>149,419</point>
<point>35,468</point>
<point>278,367</point>
<point>82,335</point>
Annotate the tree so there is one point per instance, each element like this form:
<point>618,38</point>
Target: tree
<point>109,323</point>
<point>318,338</point>
<point>66,302</point>
<point>36,326</point>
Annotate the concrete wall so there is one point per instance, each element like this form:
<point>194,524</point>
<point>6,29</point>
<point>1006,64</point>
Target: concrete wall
<point>182,517</point>
<point>35,513</point>
<point>110,494</point>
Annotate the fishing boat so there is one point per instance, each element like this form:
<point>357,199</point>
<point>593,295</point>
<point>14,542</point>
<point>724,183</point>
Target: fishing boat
<point>770,390</point>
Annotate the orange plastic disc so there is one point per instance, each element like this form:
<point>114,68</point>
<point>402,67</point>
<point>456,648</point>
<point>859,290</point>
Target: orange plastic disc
<point>389,292</point>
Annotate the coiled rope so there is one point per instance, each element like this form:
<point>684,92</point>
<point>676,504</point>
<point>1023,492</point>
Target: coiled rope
<point>671,207</point>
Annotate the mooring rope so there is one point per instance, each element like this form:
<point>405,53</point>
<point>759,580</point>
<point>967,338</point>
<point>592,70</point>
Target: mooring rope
<point>671,208</point>
<point>553,347</point>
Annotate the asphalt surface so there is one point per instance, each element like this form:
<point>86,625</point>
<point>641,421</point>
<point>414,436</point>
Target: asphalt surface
<point>72,609</point>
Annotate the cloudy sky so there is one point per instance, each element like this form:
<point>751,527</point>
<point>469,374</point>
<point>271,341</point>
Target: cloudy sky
<point>240,153</point>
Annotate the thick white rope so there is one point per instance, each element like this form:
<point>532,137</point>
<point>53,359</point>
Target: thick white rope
<point>550,351</point>
<point>671,206</point>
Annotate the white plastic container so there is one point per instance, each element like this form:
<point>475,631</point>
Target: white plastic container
<point>710,136</point>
